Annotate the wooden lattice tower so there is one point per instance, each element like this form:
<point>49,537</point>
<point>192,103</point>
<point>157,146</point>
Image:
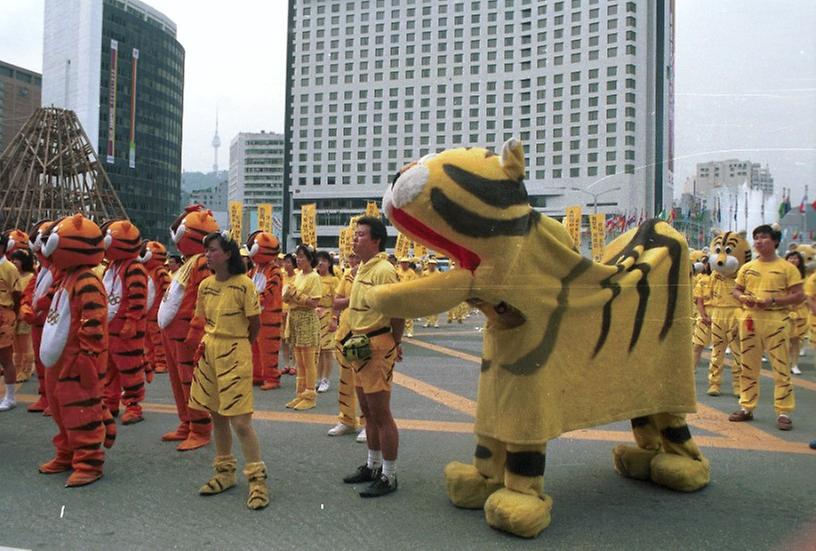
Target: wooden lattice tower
<point>50,170</point>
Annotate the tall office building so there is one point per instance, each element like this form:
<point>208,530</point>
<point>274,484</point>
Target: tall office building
<point>19,98</point>
<point>256,174</point>
<point>730,173</point>
<point>118,65</point>
<point>586,85</point>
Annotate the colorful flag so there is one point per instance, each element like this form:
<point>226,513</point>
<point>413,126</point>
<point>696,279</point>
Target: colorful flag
<point>802,205</point>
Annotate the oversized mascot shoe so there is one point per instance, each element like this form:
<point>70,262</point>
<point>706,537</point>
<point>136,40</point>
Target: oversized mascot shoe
<point>224,477</point>
<point>132,415</point>
<point>60,464</point>
<point>178,435</point>
<point>466,486</point>
<point>258,492</point>
<point>520,514</point>
<point>82,478</point>
<point>675,472</point>
<point>633,462</point>
<point>193,442</point>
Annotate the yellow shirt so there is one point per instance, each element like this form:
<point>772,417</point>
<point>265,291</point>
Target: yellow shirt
<point>226,305</point>
<point>307,285</point>
<point>406,275</point>
<point>344,287</point>
<point>377,271</point>
<point>9,283</point>
<point>721,288</point>
<point>329,285</point>
<point>810,285</point>
<point>702,289</point>
<point>765,280</point>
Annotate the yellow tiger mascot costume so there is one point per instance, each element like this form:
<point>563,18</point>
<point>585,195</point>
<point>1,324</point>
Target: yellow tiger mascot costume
<point>800,320</point>
<point>125,280</point>
<point>541,298</point>
<point>263,250</point>
<point>729,251</point>
<point>74,350</point>
<point>153,257</point>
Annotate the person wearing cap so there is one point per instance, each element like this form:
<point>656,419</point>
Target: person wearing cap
<point>406,273</point>
<point>431,321</point>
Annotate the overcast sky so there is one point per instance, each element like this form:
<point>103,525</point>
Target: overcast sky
<point>745,88</point>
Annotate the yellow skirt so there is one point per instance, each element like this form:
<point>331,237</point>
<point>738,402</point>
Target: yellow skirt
<point>222,380</point>
<point>304,328</point>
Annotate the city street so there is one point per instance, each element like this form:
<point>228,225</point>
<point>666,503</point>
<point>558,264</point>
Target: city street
<point>761,494</point>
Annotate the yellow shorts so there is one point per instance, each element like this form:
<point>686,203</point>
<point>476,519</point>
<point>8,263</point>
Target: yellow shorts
<point>222,380</point>
<point>375,373</point>
<point>8,327</point>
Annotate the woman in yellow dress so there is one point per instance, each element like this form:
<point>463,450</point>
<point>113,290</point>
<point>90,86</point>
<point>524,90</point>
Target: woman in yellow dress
<point>328,326</point>
<point>23,347</point>
<point>288,272</point>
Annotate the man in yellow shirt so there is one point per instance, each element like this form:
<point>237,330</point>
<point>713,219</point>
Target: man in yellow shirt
<point>406,273</point>
<point>373,362</point>
<point>766,286</point>
<point>10,292</point>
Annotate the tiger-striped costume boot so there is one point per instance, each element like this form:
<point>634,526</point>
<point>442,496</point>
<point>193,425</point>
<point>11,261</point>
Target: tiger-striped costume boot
<point>224,477</point>
<point>258,492</point>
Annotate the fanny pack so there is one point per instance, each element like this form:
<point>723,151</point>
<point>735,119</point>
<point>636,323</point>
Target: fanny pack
<point>358,347</point>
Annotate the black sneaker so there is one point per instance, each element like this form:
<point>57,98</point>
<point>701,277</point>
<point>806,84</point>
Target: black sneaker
<point>380,487</point>
<point>362,474</point>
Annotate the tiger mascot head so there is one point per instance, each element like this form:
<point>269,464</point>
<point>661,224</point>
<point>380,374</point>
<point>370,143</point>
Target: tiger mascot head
<point>729,251</point>
<point>36,242</point>
<point>808,253</point>
<point>153,255</point>
<point>74,241</point>
<point>263,247</point>
<point>17,239</point>
<point>123,240</point>
<point>190,229</point>
<point>699,260</point>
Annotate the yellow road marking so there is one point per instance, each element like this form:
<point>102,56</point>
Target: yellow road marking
<point>444,350</point>
<point>449,399</point>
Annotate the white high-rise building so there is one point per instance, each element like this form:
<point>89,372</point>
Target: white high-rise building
<point>256,173</point>
<point>729,173</point>
<point>586,85</point>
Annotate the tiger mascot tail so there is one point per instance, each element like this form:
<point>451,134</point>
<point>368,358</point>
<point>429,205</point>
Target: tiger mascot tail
<point>74,351</point>
<point>34,305</point>
<point>153,257</point>
<point>125,280</point>
<point>182,336</point>
<point>569,343</point>
<point>263,250</point>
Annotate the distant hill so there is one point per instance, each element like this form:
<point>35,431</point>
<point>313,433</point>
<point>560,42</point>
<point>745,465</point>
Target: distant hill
<point>191,181</point>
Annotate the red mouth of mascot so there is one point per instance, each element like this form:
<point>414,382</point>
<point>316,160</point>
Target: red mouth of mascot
<point>466,258</point>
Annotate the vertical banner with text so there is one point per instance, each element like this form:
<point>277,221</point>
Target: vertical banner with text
<point>308,220</point>
<point>372,210</point>
<point>402,246</point>
<point>419,250</point>
<point>265,217</point>
<point>235,217</point>
<point>597,228</point>
<point>114,58</point>
<point>572,221</point>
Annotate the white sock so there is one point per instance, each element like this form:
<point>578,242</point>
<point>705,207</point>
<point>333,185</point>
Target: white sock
<point>10,390</point>
<point>374,459</point>
<point>389,469</point>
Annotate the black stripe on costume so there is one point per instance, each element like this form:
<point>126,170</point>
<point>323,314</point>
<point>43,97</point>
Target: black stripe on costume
<point>90,402</point>
<point>526,463</point>
<point>93,425</point>
<point>496,193</point>
<point>471,224</point>
<point>677,435</point>
<point>235,401</point>
<point>482,452</point>
<point>639,422</point>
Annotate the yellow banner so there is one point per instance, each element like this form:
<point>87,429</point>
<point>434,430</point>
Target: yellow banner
<point>402,246</point>
<point>308,220</point>
<point>235,215</point>
<point>572,221</point>
<point>419,250</point>
<point>265,217</point>
<point>597,228</point>
<point>372,210</point>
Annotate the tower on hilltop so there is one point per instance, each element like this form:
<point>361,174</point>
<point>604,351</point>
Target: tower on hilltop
<point>216,143</point>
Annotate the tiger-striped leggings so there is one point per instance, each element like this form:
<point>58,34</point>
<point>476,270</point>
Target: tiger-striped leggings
<point>346,395</point>
<point>724,334</point>
<point>154,348</point>
<point>765,331</point>
<point>125,378</point>
<point>180,367</point>
<point>266,348</point>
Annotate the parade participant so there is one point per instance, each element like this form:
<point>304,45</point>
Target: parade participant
<point>10,292</point>
<point>34,308</point>
<point>406,272</point>
<point>288,265</point>
<point>372,348</point>
<point>302,294</point>
<point>766,287</point>
<point>701,335</point>
<point>16,240</point>
<point>328,325</point>
<point>433,320</point>
<point>729,251</point>
<point>798,317</point>
<point>347,420</point>
<point>227,309</point>
<point>175,320</point>
<point>74,351</point>
<point>263,250</point>
<point>23,260</point>
<point>154,258</point>
<point>125,280</point>
<point>174,262</point>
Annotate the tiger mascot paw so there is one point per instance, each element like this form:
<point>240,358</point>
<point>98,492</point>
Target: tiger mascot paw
<point>520,514</point>
<point>466,486</point>
<point>633,462</point>
<point>679,473</point>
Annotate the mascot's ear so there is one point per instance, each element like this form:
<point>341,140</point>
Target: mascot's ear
<point>793,245</point>
<point>77,220</point>
<point>512,159</point>
<point>744,234</point>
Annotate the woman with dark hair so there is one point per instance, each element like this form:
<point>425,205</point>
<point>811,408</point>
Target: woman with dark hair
<point>798,318</point>
<point>288,272</point>
<point>328,282</point>
<point>23,347</point>
<point>303,294</point>
<point>228,310</point>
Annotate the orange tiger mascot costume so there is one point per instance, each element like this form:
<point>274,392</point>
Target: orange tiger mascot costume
<point>263,250</point>
<point>182,336</point>
<point>125,280</point>
<point>34,307</point>
<point>74,351</point>
<point>154,255</point>
<point>17,239</point>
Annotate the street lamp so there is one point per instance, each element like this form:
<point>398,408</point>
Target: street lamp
<point>595,195</point>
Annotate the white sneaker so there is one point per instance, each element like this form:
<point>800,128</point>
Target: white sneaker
<point>323,386</point>
<point>795,370</point>
<point>7,404</point>
<point>361,436</point>
<point>340,429</point>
